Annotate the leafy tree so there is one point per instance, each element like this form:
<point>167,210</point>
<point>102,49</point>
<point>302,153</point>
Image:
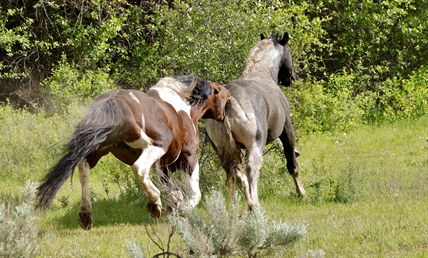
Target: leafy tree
<point>378,40</point>
<point>215,37</point>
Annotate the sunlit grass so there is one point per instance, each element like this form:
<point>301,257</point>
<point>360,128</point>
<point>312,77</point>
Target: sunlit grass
<point>389,216</point>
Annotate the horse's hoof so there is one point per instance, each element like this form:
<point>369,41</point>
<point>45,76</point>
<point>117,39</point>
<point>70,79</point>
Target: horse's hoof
<point>85,220</point>
<point>169,209</point>
<point>155,210</point>
<point>174,207</point>
<point>302,193</point>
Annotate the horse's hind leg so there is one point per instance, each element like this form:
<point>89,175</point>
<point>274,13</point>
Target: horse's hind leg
<point>85,211</point>
<point>230,156</point>
<point>232,166</point>
<point>141,169</point>
<point>288,144</point>
<point>230,159</point>
<point>254,161</point>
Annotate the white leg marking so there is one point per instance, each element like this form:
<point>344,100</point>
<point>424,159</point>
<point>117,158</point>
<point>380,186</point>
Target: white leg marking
<point>193,190</point>
<point>141,169</point>
<point>141,143</point>
<point>84,168</point>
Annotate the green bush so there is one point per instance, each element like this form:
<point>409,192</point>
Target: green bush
<point>335,104</point>
<point>323,106</point>
<point>377,40</point>
<point>215,36</point>
<point>400,98</point>
<point>67,85</point>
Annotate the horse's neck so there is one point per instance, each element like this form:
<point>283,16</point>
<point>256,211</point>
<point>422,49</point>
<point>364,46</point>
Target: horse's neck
<point>170,97</point>
<point>196,113</point>
<point>260,71</point>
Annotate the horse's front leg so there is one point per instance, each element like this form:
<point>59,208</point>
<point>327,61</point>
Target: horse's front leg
<point>168,185</point>
<point>85,211</point>
<point>192,183</point>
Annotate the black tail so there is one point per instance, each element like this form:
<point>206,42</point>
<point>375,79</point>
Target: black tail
<point>90,133</point>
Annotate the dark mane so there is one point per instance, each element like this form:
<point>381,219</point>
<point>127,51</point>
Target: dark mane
<point>200,93</point>
<point>276,38</point>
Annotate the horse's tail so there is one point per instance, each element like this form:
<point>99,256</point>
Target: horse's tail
<point>90,133</point>
<point>228,129</point>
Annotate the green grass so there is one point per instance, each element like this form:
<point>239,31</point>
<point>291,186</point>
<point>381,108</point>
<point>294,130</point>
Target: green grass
<point>367,195</point>
<point>386,169</point>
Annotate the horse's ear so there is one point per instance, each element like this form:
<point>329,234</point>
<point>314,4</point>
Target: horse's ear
<point>284,39</point>
<point>262,37</point>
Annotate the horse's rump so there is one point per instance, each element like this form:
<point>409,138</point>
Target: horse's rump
<point>266,105</point>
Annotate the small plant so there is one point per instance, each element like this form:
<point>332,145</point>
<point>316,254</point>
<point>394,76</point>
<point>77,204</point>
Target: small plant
<point>226,231</point>
<point>18,225</point>
<point>134,249</point>
<point>65,202</point>
<point>349,187</point>
<point>344,187</point>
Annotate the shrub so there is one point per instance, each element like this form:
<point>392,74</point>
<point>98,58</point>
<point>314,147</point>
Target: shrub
<point>134,249</point>
<point>344,186</point>
<point>18,225</point>
<point>215,36</point>
<point>67,85</point>
<point>399,98</point>
<point>325,106</point>
<point>225,230</point>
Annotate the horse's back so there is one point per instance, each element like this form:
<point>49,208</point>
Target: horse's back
<point>265,104</point>
<point>257,92</point>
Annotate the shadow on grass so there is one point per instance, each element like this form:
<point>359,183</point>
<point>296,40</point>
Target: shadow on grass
<point>106,212</point>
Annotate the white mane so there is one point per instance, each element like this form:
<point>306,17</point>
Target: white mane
<point>174,92</point>
<point>261,61</point>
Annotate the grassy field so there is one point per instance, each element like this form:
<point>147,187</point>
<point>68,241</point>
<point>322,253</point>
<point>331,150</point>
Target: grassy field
<point>367,197</point>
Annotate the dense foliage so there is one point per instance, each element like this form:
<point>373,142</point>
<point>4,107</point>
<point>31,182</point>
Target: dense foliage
<point>356,59</point>
<point>136,43</point>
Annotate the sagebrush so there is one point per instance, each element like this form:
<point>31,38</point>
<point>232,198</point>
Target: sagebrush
<point>19,225</point>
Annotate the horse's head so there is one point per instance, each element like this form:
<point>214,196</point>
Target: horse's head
<point>286,75</point>
<point>220,98</point>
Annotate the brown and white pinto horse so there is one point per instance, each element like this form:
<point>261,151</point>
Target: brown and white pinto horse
<point>141,130</point>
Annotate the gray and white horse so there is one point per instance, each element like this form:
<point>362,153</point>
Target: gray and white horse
<point>257,114</point>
